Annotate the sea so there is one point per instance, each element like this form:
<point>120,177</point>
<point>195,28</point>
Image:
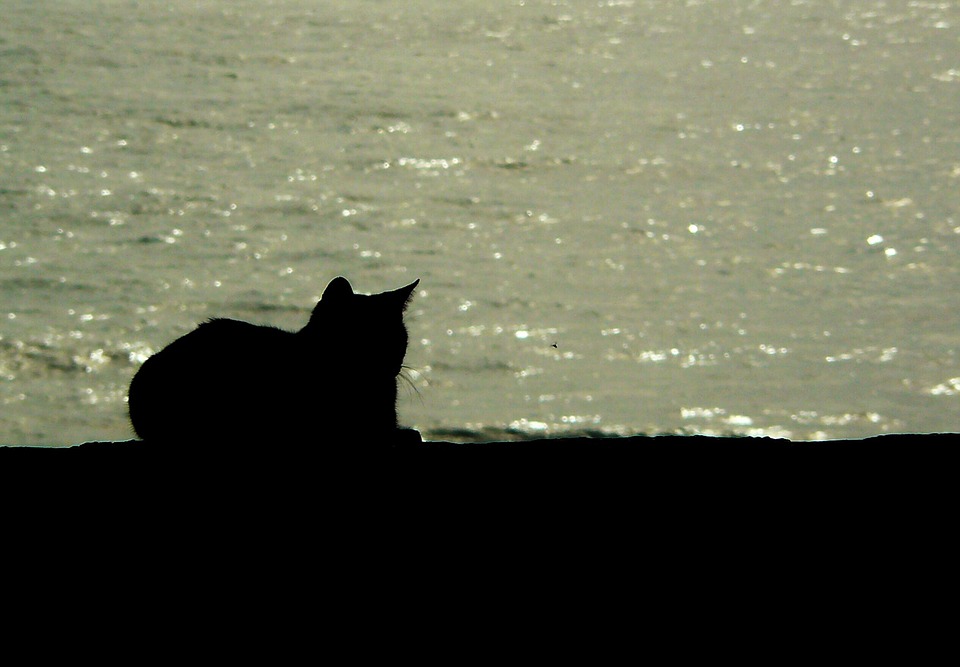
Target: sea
<point>627,216</point>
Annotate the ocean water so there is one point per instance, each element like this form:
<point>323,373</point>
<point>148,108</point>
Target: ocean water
<point>627,216</point>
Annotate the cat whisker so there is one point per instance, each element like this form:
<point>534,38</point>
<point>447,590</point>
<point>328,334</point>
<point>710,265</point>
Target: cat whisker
<point>413,371</point>
<point>404,375</point>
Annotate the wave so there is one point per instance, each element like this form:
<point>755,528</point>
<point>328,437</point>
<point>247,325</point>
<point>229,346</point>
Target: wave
<point>21,360</point>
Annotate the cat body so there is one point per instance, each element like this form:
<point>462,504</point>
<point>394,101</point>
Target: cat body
<point>233,382</point>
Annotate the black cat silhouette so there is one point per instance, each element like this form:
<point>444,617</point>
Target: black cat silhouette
<point>233,383</point>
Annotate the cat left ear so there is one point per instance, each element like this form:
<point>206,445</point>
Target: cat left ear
<point>338,288</point>
<point>406,293</point>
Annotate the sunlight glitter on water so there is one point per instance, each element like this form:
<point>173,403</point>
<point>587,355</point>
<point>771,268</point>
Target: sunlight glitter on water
<point>794,174</point>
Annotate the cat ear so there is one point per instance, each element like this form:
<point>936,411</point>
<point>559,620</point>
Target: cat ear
<point>404,294</point>
<point>338,288</point>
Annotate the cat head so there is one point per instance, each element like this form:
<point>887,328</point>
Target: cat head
<point>339,293</point>
<point>362,332</point>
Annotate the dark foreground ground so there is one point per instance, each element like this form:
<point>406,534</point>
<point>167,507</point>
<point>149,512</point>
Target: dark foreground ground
<point>895,460</point>
<point>904,447</point>
<point>672,508</point>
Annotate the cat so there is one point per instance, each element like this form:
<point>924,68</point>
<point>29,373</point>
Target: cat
<point>235,383</point>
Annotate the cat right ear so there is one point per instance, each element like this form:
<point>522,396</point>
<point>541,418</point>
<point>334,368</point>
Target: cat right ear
<point>338,288</point>
<point>406,293</point>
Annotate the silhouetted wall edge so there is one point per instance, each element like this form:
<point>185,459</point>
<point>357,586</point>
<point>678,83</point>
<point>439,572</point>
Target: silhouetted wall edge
<point>627,481</point>
<point>944,444</point>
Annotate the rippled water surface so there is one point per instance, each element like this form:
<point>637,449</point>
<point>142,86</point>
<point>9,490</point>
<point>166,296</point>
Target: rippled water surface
<point>627,216</point>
